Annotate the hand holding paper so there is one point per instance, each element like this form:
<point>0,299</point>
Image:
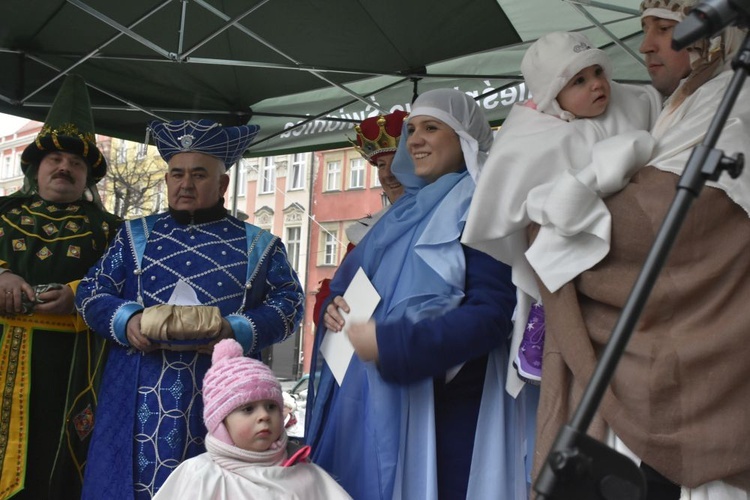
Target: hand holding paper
<point>336,348</point>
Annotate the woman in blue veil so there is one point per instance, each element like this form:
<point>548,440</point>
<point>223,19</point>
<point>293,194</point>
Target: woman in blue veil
<point>421,412</point>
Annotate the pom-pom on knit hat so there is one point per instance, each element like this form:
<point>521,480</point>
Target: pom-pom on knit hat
<point>235,380</point>
<point>552,61</point>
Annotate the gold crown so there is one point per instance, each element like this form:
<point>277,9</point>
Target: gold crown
<point>378,135</point>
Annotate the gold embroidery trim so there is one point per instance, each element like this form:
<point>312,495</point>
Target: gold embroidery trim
<point>14,409</point>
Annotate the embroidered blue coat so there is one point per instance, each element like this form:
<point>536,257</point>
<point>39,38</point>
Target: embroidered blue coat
<point>151,411</point>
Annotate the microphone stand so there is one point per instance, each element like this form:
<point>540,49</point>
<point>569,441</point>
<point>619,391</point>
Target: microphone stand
<point>579,467</point>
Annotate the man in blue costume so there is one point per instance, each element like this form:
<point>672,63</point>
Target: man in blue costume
<point>197,258</point>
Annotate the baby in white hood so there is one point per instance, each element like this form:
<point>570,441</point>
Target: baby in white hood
<point>567,77</point>
<point>580,139</point>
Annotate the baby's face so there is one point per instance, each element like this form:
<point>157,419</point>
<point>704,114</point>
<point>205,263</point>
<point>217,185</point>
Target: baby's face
<point>586,95</point>
<point>255,426</point>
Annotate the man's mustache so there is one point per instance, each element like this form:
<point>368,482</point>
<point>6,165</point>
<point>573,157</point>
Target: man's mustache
<point>63,175</point>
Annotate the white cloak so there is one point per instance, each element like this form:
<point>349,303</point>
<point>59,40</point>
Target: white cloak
<point>225,473</point>
<point>555,173</point>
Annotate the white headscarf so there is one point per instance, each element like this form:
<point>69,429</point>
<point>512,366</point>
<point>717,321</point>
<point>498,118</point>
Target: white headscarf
<point>708,57</point>
<point>463,115</point>
<point>676,10</point>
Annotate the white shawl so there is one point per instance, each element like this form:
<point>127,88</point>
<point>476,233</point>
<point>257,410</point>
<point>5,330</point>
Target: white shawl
<point>542,169</point>
<point>226,472</point>
<point>679,132</point>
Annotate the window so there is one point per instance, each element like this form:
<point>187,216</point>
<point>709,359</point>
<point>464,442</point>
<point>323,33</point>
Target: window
<point>264,218</point>
<point>136,208</point>
<point>293,241</point>
<point>297,173</point>
<point>10,167</point>
<point>357,173</point>
<point>268,176</point>
<point>331,247</point>
<point>16,168</point>
<point>118,203</point>
<point>141,151</point>
<point>241,178</point>
<point>374,177</point>
<point>7,167</point>
<point>122,154</point>
<point>333,176</point>
<point>159,199</point>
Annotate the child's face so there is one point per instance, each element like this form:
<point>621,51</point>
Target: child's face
<point>586,95</point>
<point>255,426</point>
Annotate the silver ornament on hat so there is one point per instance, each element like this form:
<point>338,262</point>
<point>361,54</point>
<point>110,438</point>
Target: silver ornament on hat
<point>186,140</point>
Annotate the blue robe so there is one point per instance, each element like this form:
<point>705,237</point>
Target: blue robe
<point>398,429</point>
<point>151,412</point>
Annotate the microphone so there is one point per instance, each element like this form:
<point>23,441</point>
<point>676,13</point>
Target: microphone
<point>708,18</point>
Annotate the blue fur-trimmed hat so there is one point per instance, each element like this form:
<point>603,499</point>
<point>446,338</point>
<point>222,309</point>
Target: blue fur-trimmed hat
<point>203,136</point>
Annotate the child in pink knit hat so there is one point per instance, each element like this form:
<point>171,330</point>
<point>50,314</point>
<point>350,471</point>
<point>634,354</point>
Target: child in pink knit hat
<point>247,454</point>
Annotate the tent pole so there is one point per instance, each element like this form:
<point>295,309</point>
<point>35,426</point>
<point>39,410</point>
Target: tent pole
<point>585,13</point>
<point>256,37</point>
<point>235,186</point>
<point>123,30</point>
<point>183,15</point>
<point>606,6</point>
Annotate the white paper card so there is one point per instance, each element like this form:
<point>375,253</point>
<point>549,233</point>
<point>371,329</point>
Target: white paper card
<point>336,348</point>
<point>183,295</point>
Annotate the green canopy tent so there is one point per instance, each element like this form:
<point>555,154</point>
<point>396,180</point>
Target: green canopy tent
<point>304,70</point>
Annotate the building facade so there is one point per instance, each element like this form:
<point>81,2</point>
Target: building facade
<point>273,193</point>
<point>345,188</point>
<point>134,185</point>
<point>308,199</point>
<point>11,148</point>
